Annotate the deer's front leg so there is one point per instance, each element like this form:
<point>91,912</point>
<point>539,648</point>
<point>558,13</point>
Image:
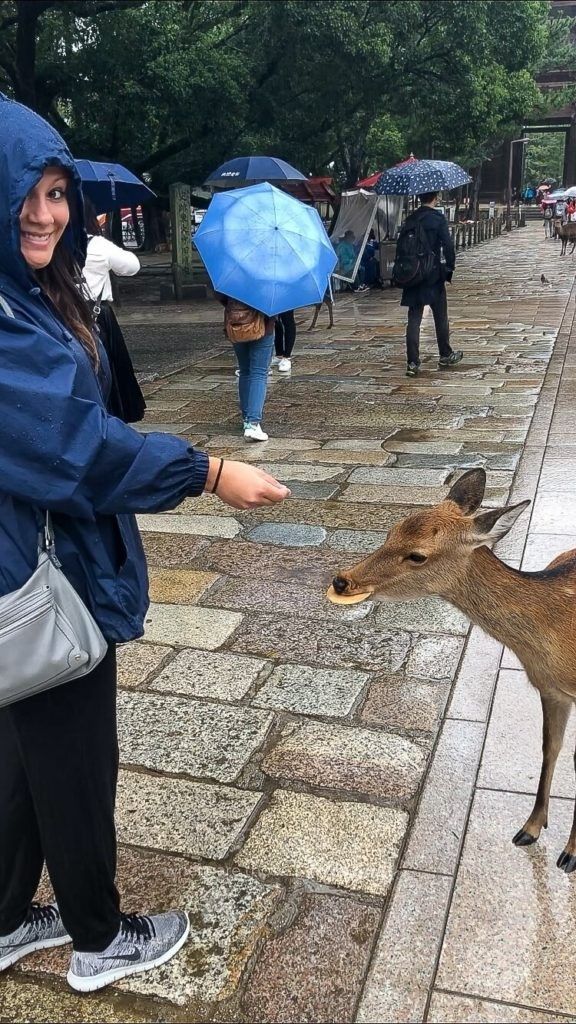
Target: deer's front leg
<point>554,717</point>
<point>567,859</point>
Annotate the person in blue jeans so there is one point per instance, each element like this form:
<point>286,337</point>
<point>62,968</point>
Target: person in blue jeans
<point>254,359</point>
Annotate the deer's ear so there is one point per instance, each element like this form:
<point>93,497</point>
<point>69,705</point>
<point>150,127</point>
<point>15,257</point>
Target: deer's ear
<point>488,527</point>
<point>468,490</point>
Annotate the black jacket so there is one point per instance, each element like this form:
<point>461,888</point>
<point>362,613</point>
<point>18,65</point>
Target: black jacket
<point>440,241</point>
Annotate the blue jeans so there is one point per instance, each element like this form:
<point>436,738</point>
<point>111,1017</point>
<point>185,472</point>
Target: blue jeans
<point>253,362</point>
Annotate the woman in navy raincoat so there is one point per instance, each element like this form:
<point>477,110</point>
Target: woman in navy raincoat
<point>60,450</point>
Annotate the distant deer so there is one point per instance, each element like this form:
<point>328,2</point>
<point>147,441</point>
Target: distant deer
<point>442,550</point>
<point>567,233</point>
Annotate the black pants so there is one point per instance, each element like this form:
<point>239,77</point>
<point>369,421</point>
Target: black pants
<point>440,313</point>
<point>126,400</point>
<point>285,334</point>
<point>58,774</point>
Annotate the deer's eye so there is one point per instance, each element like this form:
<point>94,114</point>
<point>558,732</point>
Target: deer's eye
<point>416,557</point>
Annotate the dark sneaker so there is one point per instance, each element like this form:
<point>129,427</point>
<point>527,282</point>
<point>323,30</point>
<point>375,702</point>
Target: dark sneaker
<point>412,369</point>
<point>41,929</point>
<point>450,360</point>
<point>141,944</point>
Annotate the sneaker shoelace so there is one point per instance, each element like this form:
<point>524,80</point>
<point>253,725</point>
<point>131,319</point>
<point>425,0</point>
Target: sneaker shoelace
<point>41,916</point>
<point>137,927</point>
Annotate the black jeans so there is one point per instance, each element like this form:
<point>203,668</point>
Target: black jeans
<point>440,313</point>
<point>58,774</point>
<point>285,334</point>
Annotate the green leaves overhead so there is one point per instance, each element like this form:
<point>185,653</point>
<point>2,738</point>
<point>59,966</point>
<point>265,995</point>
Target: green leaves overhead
<point>173,87</point>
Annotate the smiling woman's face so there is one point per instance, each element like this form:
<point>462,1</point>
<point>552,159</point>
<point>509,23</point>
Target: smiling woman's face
<point>44,218</point>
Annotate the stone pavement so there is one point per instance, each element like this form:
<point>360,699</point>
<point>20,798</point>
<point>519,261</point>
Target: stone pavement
<point>331,792</point>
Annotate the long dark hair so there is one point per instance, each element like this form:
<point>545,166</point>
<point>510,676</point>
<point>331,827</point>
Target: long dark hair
<point>91,218</point>
<point>63,284</point>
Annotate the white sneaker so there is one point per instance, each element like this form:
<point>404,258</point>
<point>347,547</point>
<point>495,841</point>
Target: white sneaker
<point>236,373</point>
<point>254,432</point>
<point>285,365</point>
<point>276,360</point>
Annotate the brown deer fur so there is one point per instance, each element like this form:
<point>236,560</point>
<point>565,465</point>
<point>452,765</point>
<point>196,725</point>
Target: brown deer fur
<point>567,233</point>
<point>442,550</point>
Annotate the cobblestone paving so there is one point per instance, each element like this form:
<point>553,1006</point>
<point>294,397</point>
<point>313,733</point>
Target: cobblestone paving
<point>299,776</point>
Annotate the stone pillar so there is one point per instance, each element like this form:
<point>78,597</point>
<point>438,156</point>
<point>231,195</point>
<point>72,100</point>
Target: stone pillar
<point>181,229</point>
<point>569,173</point>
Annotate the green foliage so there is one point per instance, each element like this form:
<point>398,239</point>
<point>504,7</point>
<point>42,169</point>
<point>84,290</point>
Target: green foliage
<point>544,158</point>
<point>173,87</point>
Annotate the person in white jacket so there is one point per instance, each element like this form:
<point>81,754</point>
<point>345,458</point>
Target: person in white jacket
<point>102,257</point>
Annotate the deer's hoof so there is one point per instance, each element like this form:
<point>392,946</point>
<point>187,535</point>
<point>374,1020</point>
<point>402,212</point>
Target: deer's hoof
<point>523,838</point>
<point>566,862</point>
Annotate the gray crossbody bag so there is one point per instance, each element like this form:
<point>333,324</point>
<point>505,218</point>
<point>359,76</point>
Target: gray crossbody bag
<point>47,635</point>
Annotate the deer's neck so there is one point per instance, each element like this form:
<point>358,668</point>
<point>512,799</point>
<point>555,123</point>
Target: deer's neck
<point>515,608</point>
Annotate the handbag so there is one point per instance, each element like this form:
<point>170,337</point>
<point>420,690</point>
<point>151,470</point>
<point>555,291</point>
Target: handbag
<point>47,635</point>
<point>242,323</point>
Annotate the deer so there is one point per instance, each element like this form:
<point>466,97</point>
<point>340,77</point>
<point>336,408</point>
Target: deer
<point>444,551</point>
<point>566,233</point>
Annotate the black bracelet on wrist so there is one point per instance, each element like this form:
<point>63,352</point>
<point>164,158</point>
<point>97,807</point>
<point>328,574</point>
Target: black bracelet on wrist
<point>218,475</point>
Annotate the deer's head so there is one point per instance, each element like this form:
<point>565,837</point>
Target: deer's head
<point>427,552</point>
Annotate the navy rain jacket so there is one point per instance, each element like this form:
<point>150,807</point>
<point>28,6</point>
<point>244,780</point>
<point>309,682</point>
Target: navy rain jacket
<point>59,449</point>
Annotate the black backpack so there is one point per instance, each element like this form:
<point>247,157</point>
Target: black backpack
<point>415,262</point>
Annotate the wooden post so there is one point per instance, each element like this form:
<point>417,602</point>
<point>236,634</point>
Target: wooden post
<point>181,230</point>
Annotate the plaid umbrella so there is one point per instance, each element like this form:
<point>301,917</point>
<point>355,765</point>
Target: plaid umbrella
<point>417,177</point>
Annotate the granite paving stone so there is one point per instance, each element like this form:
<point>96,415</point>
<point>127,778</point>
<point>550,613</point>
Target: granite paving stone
<point>354,760</point>
<point>215,675</point>
<point>189,626</point>
<point>405,703</point>
<point>248,560</point>
<point>428,615</point>
<point>320,492</point>
<point>399,477</point>
<point>350,845</point>
<point>27,1000</point>
<point>189,818</point>
<point>333,514</point>
<point>311,691</point>
<point>435,657</point>
<point>445,1008</point>
<point>313,970</point>
<point>521,905</point>
<point>403,965</point>
<point>348,457</point>
<point>287,471</point>
<point>288,534</point>
<point>198,738</point>
<point>229,913</point>
<point>202,526</point>
<point>284,599</point>
<point>179,586</point>
<point>346,645</point>
<point>358,541</point>
<point>172,551</point>
<point>139,662</point>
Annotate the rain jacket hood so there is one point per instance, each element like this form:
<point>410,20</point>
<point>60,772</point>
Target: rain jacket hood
<point>59,448</point>
<point>28,145</point>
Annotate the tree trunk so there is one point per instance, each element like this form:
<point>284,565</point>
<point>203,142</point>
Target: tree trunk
<point>136,226</point>
<point>154,233</point>
<point>28,12</point>
<point>476,193</point>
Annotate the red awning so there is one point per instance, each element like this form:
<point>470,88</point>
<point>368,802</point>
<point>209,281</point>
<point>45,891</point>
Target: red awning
<point>371,181</point>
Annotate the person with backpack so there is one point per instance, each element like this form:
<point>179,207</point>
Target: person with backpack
<point>420,272</point>
<point>252,337</point>
<point>548,214</point>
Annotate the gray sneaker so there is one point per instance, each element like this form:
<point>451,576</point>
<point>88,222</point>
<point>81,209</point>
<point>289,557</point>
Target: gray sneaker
<point>451,360</point>
<point>141,944</point>
<point>41,929</point>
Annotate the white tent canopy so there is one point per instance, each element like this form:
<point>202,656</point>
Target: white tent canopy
<point>360,212</point>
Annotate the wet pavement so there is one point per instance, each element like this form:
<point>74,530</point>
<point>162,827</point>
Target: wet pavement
<point>331,792</point>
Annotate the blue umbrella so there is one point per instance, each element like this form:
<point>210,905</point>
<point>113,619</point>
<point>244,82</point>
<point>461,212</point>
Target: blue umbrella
<point>110,186</point>
<point>265,248</point>
<point>417,177</point>
<point>252,169</point>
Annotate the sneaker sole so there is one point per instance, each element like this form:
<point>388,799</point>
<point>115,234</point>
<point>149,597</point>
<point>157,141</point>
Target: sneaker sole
<point>32,947</point>
<point>108,977</point>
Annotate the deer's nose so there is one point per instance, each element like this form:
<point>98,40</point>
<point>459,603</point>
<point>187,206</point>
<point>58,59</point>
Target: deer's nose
<point>339,584</point>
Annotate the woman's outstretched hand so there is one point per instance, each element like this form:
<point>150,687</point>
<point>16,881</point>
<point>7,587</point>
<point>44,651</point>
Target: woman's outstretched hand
<point>243,486</point>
